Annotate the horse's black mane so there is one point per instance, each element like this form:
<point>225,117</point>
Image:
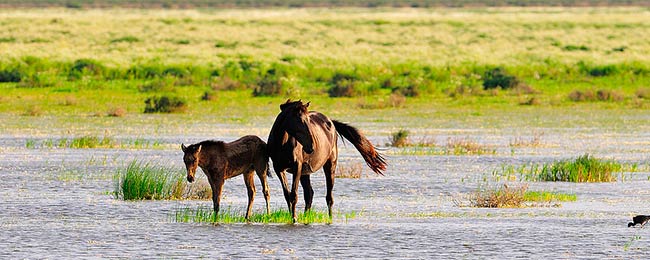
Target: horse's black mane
<point>293,104</point>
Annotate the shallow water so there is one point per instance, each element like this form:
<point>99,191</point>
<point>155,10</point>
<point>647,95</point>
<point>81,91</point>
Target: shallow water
<point>56,203</point>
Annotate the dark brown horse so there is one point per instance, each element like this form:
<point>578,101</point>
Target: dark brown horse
<point>301,142</point>
<point>220,161</point>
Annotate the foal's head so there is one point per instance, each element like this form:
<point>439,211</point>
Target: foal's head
<point>191,159</point>
<point>296,123</point>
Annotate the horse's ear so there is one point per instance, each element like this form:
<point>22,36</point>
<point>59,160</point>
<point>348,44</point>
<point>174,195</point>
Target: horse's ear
<point>198,150</point>
<point>183,147</point>
<point>283,106</point>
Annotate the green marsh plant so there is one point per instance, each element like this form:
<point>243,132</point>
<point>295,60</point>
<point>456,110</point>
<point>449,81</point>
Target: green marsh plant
<point>203,214</point>
<point>584,168</point>
<point>146,181</point>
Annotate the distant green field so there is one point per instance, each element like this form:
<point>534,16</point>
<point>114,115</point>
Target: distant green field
<point>61,61</point>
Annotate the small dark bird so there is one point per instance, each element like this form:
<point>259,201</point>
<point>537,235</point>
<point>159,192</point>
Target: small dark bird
<point>639,220</point>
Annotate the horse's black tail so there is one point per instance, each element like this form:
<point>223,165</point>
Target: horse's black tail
<point>375,161</point>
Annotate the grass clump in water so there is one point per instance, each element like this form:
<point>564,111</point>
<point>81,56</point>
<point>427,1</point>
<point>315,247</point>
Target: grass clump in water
<point>547,196</point>
<point>509,196</point>
<point>583,169</point>
<point>144,181</point>
<point>91,142</point>
<point>502,197</point>
<point>203,214</point>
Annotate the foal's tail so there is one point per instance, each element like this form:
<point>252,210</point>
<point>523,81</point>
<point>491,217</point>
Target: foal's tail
<point>375,161</point>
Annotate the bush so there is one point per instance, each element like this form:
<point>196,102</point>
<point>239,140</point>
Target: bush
<point>578,96</point>
<point>497,77</point>
<point>343,85</point>
<point>600,95</point>
<point>269,85</point>
<point>226,83</point>
<point>643,93</point>
<point>84,67</point>
<point>128,39</point>
<point>117,112</point>
<point>601,71</point>
<point>209,96</point>
<point>164,104</point>
<point>165,84</point>
<point>399,138</point>
<point>10,75</point>
<point>609,95</point>
<point>575,48</point>
<point>408,91</point>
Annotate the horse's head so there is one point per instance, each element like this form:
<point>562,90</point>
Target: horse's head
<point>191,159</point>
<point>296,123</point>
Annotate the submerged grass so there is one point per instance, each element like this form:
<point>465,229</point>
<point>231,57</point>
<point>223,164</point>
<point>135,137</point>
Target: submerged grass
<point>203,214</point>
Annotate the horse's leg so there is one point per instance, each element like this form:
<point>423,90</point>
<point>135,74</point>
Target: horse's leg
<point>261,173</point>
<point>307,190</point>
<point>285,189</point>
<point>217,186</point>
<point>250,187</point>
<point>294,192</point>
<point>330,170</point>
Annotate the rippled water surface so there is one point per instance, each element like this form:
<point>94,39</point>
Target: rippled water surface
<point>56,203</point>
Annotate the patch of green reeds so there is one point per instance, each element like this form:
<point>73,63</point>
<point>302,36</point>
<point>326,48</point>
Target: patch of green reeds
<point>548,196</point>
<point>203,214</point>
<point>585,168</point>
<point>145,181</point>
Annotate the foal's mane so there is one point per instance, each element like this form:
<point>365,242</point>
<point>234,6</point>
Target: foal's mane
<point>220,145</point>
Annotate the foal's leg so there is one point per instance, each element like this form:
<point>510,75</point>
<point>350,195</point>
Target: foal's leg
<point>307,190</point>
<point>217,186</point>
<point>265,188</point>
<point>330,170</point>
<point>250,187</point>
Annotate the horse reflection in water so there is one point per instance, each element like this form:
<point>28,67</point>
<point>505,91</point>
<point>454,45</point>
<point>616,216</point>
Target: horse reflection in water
<point>301,142</point>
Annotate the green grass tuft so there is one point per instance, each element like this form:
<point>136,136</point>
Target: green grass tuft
<point>583,169</point>
<point>547,196</point>
<point>203,214</point>
<point>144,181</point>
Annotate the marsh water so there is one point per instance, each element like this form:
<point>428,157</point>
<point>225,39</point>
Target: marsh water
<point>57,202</point>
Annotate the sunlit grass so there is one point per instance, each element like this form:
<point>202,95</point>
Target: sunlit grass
<point>547,196</point>
<point>145,181</point>
<point>92,142</point>
<point>584,168</point>
<point>206,215</point>
<point>453,146</point>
